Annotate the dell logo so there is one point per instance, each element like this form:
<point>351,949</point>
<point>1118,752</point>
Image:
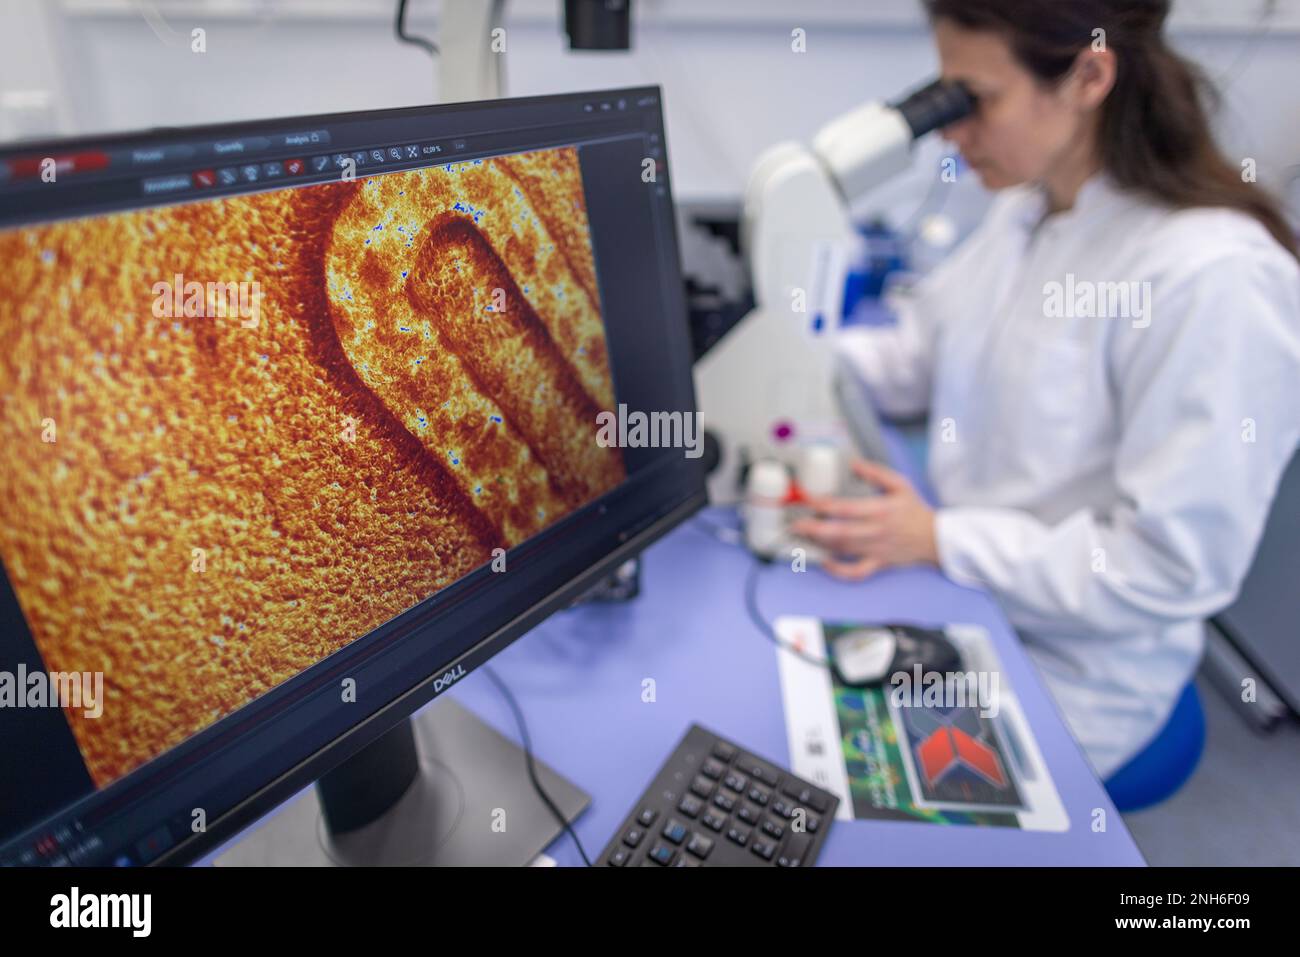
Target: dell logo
<point>448,679</point>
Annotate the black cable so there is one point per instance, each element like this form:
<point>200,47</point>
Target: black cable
<point>399,25</point>
<point>532,768</point>
<point>756,616</point>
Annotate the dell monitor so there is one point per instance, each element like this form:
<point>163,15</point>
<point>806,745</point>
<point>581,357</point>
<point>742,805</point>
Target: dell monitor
<point>303,420</point>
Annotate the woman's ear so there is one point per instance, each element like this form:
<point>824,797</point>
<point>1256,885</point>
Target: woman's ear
<point>1093,76</point>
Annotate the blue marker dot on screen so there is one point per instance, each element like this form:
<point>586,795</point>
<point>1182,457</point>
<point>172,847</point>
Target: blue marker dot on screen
<point>495,418</point>
<point>818,322</point>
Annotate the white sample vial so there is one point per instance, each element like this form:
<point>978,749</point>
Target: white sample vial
<point>766,490</point>
<point>821,470</point>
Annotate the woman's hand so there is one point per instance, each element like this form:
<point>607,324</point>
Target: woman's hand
<point>869,534</point>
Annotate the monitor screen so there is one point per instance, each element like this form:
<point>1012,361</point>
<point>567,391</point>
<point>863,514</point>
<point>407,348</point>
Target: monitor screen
<point>303,419</point>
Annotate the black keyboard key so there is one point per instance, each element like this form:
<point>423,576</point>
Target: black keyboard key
<point>724,752</point>
<point>702,786</point>
<point>759,795</point>
<point>690,806</point>
<point>748,814</point>
<point>713,768</point>
<point>685,861</point>
<point>739,835</point>
<point>772,829</point>
<point>764,849</point>
<point>758,770</point>
<point>662,854</point>
<point>725,801</point>
<point>812,824</point>
<point>712,819</point>
<point>806,796</point>
<point>782,807</point>
<point>795,850</point>
<point>817,801</point>
<point>736,782</point>
<point>633,836</point>
<point>700,846</point>
<point>619,858</point>
<point>647,816</point>
<point>675,830</point>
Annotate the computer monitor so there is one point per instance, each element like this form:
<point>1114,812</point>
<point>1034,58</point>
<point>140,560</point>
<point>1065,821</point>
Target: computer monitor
<point>303,420</point>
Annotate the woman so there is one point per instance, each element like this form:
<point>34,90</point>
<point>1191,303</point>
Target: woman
<point>1111,363</point>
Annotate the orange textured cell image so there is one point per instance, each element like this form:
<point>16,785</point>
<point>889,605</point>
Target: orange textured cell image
<point>201,506</point>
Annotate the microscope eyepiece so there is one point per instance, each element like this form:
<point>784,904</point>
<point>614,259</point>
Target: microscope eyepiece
<point>935,106</point>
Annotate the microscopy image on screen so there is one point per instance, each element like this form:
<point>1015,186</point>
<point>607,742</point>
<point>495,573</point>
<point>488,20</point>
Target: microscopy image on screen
<point>244,432</point>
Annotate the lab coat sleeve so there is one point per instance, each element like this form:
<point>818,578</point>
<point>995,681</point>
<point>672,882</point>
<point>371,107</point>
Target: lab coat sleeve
<point>1207,399</point>
<point>893,363</point>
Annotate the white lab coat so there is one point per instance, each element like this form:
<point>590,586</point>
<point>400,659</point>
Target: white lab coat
<point>1107,479</point>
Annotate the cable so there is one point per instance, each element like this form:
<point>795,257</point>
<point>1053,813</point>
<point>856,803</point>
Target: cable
<point>399,26</point>
<point>756,616</point>
<point>532,767</point>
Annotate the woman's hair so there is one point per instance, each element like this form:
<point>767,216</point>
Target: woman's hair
<point>1154,134</point>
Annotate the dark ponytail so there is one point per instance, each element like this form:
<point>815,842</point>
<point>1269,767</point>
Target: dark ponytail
<point>1155,136</point>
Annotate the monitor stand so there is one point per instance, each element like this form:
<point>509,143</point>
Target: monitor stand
<point>441,789</point>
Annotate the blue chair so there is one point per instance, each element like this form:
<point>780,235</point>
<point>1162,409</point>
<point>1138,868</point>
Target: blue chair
<point>1163,766</point>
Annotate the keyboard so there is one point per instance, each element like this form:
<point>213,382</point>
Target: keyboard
<point>715,804</point>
